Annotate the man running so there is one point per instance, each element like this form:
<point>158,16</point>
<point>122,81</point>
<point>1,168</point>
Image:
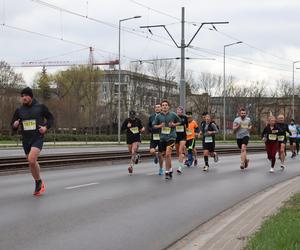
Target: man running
<point>191,139</point>
<point>34,119</point>
<point>209,131</point>
<point>242,126</point>
<point>270,137</point>
<point>155,137</point>
<point>181,138</point>
<point>134,128</point>
<point>293,137</point>
<point>167,122</point>
<point>283,130</point>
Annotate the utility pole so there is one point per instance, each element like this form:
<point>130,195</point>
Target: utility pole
<point>182,47</point>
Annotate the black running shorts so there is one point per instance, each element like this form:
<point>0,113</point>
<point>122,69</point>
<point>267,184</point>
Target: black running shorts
<point>209,146</point>
<point>154,144</point>
<point>37,143</point>
<point>242,141</point>
<point>164,144</point>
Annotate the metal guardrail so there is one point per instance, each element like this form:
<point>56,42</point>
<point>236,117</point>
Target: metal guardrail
<point>19,162</point>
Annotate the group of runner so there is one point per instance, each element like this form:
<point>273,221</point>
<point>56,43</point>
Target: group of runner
<point>167,129</point>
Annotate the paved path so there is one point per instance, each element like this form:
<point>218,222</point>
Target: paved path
<point>104,208</point>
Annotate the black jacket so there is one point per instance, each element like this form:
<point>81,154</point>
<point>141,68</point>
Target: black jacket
<point>31,118</point>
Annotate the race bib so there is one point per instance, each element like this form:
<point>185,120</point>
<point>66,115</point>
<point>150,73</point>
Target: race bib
<point>166,130</point>
<point>134,130</point>
<point>280,137</point>
<point>244,125</point>
<point>272,137</point>
<point>29,125</point>
<point>156,137</point>
<point>179,129</point>
<point>189,132</point>
<point>208,139</point>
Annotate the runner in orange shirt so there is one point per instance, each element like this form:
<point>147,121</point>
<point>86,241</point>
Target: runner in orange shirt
<point>191,131</point>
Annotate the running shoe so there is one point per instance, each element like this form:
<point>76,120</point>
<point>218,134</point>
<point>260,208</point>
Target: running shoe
<point>271,170</point>
<point>167,176</point>
<point>186,163</point>
<point>282,167</point>
<point>247,163</point>
<point>293,155</point>
<point>205,168</point>
<point>195,162</point>
<point>161,171</point>
<point>242,167</point>
<point>171,174</point>
<point>216,157</point>
<point>137,158</point>
<point>179,170</point>
<point>130,170</point>
<point>39,188</point>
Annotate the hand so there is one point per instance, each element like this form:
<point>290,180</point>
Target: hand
<point>162,125</point>
<point>16,123</point>
<point>42,129</point>
<point>171,124</point>
<point>129,125</point>
<point>250,127</point>
<point>142,130</point>
<point>209,132</point>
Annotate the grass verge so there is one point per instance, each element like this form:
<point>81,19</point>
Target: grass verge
<point>280,231</point>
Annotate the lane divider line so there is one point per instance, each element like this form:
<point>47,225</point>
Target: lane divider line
<point>83,185</point>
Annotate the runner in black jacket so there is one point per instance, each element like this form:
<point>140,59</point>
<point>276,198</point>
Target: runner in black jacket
<point>34,119</point>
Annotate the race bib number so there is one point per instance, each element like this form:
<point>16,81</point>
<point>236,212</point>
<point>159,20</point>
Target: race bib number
<point>166,130</point>
<point>156,137</point>
<point>179,129</point>
<point>134,130</point>
<point>280,137</point>
<point>208,139</point>
<point>29,125</point>
<point>272,137</point>
<point>189,132</point>
<point>244,125</point>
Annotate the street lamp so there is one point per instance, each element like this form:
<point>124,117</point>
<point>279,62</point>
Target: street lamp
<point>224,90</point>
<point>293,99</point>
<point>119,84</point>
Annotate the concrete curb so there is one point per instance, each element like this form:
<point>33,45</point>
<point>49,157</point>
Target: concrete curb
<point>231,229</point>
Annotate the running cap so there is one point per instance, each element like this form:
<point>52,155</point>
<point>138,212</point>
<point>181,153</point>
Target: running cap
<point>27,91</point>
<point>189,113</point>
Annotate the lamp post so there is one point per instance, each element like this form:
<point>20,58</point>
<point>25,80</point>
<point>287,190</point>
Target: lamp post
<point>119,84</point>
<point>224,90</point>
<point>293,82</point>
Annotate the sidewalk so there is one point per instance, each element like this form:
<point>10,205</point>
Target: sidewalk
<point>231,229</point>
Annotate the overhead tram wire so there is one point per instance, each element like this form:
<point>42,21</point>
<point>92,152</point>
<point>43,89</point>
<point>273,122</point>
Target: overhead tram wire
<point>58,39</point>
<point>126,29</point>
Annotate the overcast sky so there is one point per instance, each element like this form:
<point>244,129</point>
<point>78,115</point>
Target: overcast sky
<point>268,28</point>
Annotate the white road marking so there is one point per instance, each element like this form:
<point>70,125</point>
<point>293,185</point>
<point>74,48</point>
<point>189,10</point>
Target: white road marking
<point>83,185</point>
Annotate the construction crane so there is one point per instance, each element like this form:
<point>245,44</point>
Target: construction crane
<point>91,62</point>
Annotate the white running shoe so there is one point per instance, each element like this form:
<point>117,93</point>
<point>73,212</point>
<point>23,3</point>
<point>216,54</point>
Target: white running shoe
<point>205,168</point>
<point>282,167</point>
<point>271,170</point>
<point>179,170</point>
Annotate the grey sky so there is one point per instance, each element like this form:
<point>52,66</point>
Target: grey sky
<point>269,29</point>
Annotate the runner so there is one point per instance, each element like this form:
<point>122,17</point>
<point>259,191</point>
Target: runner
<point>134,128</point>
<point>181,138</point>
<point>242,126</point>
<point>154,142</point>
<point>167,122</point>
<point>31,118</point>
<point>298,139</point>
<point>270,137</point>
<point>209,131</point>
<point>191,139</point>
<point>293,137</point>
<point>283,130</point>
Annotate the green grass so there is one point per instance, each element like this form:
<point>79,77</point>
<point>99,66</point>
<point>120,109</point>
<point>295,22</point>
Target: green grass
<point>281,231</point>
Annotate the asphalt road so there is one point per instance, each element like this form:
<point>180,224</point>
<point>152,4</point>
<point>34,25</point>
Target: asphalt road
<point>104,208</point>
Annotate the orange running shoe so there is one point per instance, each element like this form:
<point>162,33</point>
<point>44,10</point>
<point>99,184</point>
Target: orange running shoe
<point>40,190</point>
